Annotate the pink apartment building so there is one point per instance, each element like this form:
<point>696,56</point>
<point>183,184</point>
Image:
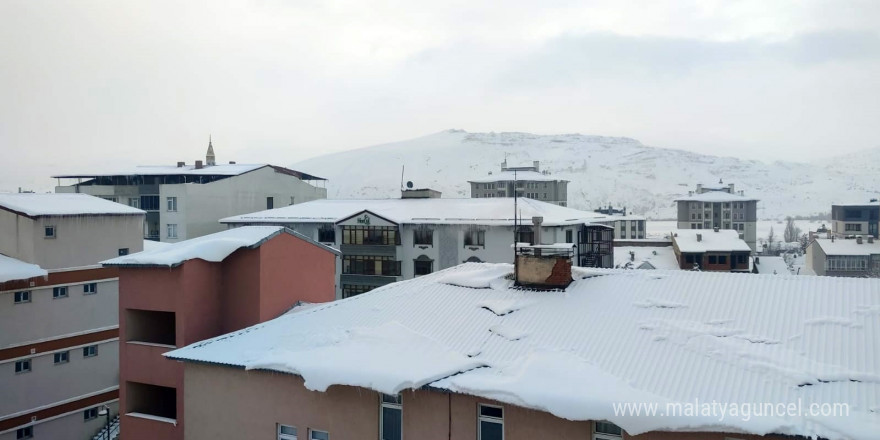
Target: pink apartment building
<point>197,289</point>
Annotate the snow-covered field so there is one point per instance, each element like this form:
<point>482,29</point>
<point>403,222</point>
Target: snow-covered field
<point>601,170</point>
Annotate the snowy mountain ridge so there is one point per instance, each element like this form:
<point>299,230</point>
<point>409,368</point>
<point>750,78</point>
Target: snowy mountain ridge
<point>601,170</point>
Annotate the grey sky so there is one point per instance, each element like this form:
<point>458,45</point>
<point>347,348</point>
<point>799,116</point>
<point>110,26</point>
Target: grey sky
<point>88,84</point>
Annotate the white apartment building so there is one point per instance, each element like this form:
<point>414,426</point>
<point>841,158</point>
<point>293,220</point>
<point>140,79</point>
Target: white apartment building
<point>383,241</point>
<point>524,181</point>
<point>185,201</point>
<point>59,326</point>
<point>719,206</point>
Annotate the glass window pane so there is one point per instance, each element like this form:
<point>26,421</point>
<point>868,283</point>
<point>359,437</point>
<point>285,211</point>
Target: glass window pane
<point>491,411</point>
<point>607,428</point>
<point>491,431</point>
<point>391,424</point>
<point>320,435</point>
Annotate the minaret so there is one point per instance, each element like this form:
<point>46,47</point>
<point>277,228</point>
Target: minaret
<point>209,158</point>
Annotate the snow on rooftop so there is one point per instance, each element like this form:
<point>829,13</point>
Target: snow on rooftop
<point>49,204</point>
<point>772,265</point>
<point>505,176</point>
<point>848,246</point>
<point>659,257</point>
<point>166,170</point>
<point>710,240</point>
<point>715,196</point>
<point>13,269</point>
<point>612,336</point>
<point>213,247</point>
<point>424,211</point>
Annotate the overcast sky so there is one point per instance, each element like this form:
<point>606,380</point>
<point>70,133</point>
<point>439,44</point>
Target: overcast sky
<point>85,84</point>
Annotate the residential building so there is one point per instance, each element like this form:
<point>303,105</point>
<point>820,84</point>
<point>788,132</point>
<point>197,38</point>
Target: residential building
<point>185,201</point>
<point>466,353</point>
<point>852,220</point>
<point>59,335</point>
<point>719,206</point>
<point>646,257</point>
<point>626,225</point>
<point>710,250</point>
<point>388,240</point>
<point>524,181</point>
<point>838,257</point>
<point>185,292</point>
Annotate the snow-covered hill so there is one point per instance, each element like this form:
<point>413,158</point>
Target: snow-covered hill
<point>601,169</point>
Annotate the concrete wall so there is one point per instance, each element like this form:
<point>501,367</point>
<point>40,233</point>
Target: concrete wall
<point>16,240</point>
<point>69,426</point>
<point>229,403</point>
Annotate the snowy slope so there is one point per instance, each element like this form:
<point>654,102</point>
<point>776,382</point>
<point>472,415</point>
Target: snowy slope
<point>601,169</point>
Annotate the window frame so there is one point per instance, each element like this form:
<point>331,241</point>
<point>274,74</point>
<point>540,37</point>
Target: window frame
<point>489,419</point>
<point>21,297</point>
<point>24,433</point>
<point>313,431</point>
<point>423,236</point>
<point>90,351</point>
<point>598,435</point>
<point>169,227</point>
<point>171,204</point>
<point>60,292</point>
<point>61,357</point>
<point>90,414</point>
<point>286,436</point>
<point>391,403</point>
<point>90,288</point>
<point>417,263</point>
<point>53,234</point>
<point>23,366</point>
<point>477,237</point>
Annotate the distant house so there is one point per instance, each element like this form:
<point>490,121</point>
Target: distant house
<point>856,257</point>
<point>855,219</point>
<point>626,225</point>
<point>646,257</point>
<point>525,181</point>
<point>711,250</point>
<point>186,201</point>
<point>719,206</point>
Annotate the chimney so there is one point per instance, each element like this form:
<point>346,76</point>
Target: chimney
<point>536,227</point>
<point>716,228</point>
<point>732,191</point>
<point>859,239</point>
<point>537,165</point>
<point>181,164</point>
<point>870,239</point>
<point>699,188</point>
<point>699,237</point>
<point>199,165</point>
<point>832,238</point>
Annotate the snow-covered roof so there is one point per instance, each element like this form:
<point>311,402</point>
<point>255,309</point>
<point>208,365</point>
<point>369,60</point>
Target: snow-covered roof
<point>612,336</point>
<point>150,245</point>
<point>188,170</point>
<point>53,204</point>
<point>14,269</point>
<point>489,211</point>
<point>772,265</point>
<point>715,196</point>
<point>659,257</point>
<point>848,246</point>
<point>710,240</point>
<point>213,247</point>
<point>505,176</point>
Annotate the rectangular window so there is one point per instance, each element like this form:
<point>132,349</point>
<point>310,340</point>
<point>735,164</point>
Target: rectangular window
<point>49,231</point>
<point>722,259</point>
<point>391,420</point>
<point>423,267</point>
<point>134,202</point>
<point>171,204</point>
<point>371,235</point>
<point>172,230</point>
<point>606,431</point>
<point>26,432</point>
<point>286,432</point>
<point>90,288</point>
<point>713,259</point>
<point>270,202</point>
<point>349,290</point>
<point>423,236</point>
<point>475,237</point>
<point>62,357</point>
<point>741,259</point>
<point>90,351</point>
<point>370,265</point>
<point>150,326</point>
<point>525,235</point>
<point>123,251</point>
<point>689,259</point>
<point>854,227</point>
<point>150,203</point>
<point>90,414</point>
<point>22,297</point>
<point>491,423</point>
<point>314,434</point>
<point>327,233</point>
<point>23,366</point>
<point>569,236</point>
<point>59,292</point>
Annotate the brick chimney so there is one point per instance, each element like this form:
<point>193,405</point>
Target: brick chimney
<point>199,165</point>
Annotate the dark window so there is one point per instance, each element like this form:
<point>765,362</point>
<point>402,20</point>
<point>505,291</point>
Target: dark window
<point>475,237</point>
<point>491,420</point>
<point>713,259</point>
<point>49,231</point>
<point>90,351</point>
<point>392,418</point>
<point>370,265</point>
<point>568,236</point>
<point>153,400</point>
<point>689,259</point>
<point>349,290</point>
<point>26,432</point>
<point>59,292</point>
<point>150,203</point>
<point>270,202</point>
<point>22,297</point>
<point>525,235</point>
<point>23,366</point>
<point>90,288</point>
<point>150,326</point>
<point>327,234</point>
<point>423,267</point>
<point>423,236</point>
<point>90,414</point>
<point>722,259</point>
<point>123,251</point>
<point>608,428</point>
<point>62,357</point>
<point>373,235</point>
<point>741,259</point>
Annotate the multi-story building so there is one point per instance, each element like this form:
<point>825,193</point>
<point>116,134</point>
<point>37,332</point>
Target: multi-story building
<point>850,220</point>
<point>59,335</point>
<point>185,201</point>
<point>466,354</point>
<point>526,181</point>
<point>719,250</point>
<point>719,206</point>
<point>855,257</point>
<point>383,241</point>
<point>182,293</point>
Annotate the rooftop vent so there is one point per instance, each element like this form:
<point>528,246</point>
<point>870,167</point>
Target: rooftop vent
<point>199,165</point>
<point>699,237</point>
<point>716,228</point>
<point>870,239</point>
<point>859,239</point>
<point>181,164</point>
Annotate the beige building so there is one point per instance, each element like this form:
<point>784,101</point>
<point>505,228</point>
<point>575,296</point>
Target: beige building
<point>59,358</point>
<point>720,206</point>
<point>186,201</point>
<point>527,181</point>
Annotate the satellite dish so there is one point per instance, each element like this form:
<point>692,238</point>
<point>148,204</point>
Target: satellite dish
<point>409,184</point>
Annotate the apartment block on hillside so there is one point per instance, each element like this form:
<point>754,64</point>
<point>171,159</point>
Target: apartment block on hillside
<point>710,250</point>
<point>856,219</point>
<point>719,206</point>
<point>524,181</point>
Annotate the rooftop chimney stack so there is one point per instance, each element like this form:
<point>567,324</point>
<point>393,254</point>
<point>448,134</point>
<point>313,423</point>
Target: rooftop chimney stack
<point>199,165</point>
<point>716,228</point>
<point>699,237</point>
<point>537,165</point>
<point>859,239</point>
<point>181,164</point>
<point>870,239</point>
<point>536,236</point>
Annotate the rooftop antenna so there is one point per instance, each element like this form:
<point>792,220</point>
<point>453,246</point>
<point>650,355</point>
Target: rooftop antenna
<point>515,228</point>
<point>402,168</point>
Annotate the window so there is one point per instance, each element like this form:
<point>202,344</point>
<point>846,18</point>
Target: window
<point>370,265</point>
<point>475,237</point>
<point>59,292</point>
<point>90,288</point>
<point>525,235</point>
<point>123,251</point>
<point>172,230</point>
<point>423,266</point>
<point>134,202</point>
<point>286,432</point>
<point>327,233</point>
<point>568,236</point>
<point>270,202</point>
<point>423,236</point>
<point>391,419</point>
<point>722,259</point>
<point>606,431</point>
<point>491,423</point>
<point>349,290</point>
<point>150,203</point>
<point>90,414</point>
<point>23,366</point>
<point>374,235</point>
<point>110,198</point>
<point>847,263</point>
<point>713,259</point>
<point>171,204</point>
<point>689,259</point>
<point>26,432</point>
<point>314,434</point>
<point>740,259</point>
<point>855,227</point>
<point>49,231</point>
<point>22,297</point>
<point>62,357</point>
<point>90,351</point>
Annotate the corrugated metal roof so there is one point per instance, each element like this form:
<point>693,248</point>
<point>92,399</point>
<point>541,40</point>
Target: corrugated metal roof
<point>655,336</point>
